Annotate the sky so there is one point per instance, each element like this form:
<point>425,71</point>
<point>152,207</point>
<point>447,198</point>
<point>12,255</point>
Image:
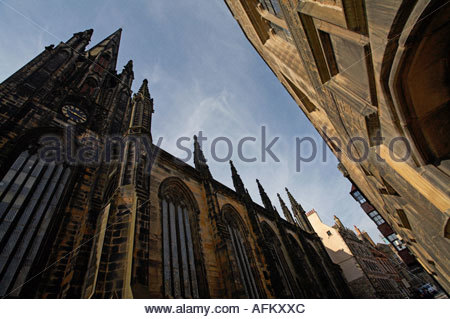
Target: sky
<point>203,75</point>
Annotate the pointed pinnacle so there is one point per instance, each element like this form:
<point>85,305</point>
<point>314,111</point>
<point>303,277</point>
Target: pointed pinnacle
<point>265,199</point>
<point>199,157</point>
<point>291,198</point>
<point>128,70</point>
<point>144,89</point>
<point>88,32</point>
<point>282,203</point>
<point>233,168</point>
<point>107,40</point>
<point>287,214</point>
<point>129,64</point>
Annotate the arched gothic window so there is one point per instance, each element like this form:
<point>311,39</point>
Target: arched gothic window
<point>183,268</point>
<point>88,87</point>
<point>274,244</point>
<point>242,250</point>
<point>31,191</point>
<point>303,270</point>
<point>102,63</point>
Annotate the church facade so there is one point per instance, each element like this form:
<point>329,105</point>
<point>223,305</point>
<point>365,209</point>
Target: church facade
<point>85,218</point>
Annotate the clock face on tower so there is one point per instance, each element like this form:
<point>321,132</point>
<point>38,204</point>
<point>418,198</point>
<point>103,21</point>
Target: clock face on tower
<point>73,113</point>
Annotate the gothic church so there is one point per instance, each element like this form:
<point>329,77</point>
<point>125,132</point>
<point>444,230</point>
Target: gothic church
<point>144,224</point>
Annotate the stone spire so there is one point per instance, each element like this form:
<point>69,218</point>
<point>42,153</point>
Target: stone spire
<point>200,160</point>
<point>142,110</point>
<point>286,212</point>
<point>127,72</point>
<point>143,90</point>
<point>127,76</point>
<point>109,45</point>
<point>299,213</point>
<point>80,40</point>
<point>237,181</point>
<point>129,66</point>
<point>265,199</point>
<point>139,126</point>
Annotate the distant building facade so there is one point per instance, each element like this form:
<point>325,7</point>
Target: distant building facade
<point>95,218</point>
<point>398,253</point>
<point>372,77</point>
<point>368,271</point>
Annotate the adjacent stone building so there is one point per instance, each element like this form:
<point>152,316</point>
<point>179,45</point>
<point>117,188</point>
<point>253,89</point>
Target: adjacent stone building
<point>368,271</point>
<point>91,208</point>
<point>372,77</point>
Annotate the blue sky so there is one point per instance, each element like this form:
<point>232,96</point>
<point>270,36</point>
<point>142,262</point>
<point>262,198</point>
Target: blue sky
<point>203,75</point>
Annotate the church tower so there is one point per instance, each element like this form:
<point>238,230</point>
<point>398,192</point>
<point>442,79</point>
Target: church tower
<point>55,112</point>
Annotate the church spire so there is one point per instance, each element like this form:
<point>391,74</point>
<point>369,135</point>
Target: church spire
<point>127,75</point>
<point>143,90</point>
<point>265,199</point>
<point>199,157</point>
<point>237,181</point>
<point>299,213</point>
<point>294,203</point>
<point>142,110</point>
<point>109,47</point>
<point>80,40</point>
<point>287,214</point>
<point>128,70</point>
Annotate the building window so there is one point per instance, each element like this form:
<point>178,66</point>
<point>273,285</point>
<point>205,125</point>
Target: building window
<point>376,217</point>
<point>30,194</point>
<point>359,197</point>
<point>180,279</point>
<point>328,51</point>
<point>282,32</point>
<point>404,219</point>
<point>88,87</point>
<point>388,190</point>
<point>273,6</point>
<point>183,271</point>
<point>241,252</point>
<point>366,171</point>
<point>274,244</point>
<point>102,63</point>
<point>373,129</point>
<point>329,233</point>
<point>447,229</point>
<point>394,240</point>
